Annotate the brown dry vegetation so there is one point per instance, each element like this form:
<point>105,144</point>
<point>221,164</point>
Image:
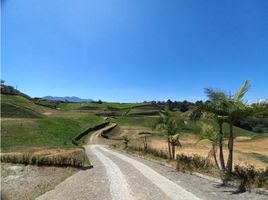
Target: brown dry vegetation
<point>54,157</point>
<point>242,147</point>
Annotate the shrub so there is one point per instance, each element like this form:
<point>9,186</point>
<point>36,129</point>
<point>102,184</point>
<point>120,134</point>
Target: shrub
<point>249,176</point>
<point>149,150</point>
<point>191,163</point>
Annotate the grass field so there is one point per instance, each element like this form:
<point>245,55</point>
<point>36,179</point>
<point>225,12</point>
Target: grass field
<point>96,106</point>
<point>47,132</point>
<point>17,106</point>
<point>54,129</point>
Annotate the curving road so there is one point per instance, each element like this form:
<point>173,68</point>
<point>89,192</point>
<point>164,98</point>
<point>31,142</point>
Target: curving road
<point>120,176</point>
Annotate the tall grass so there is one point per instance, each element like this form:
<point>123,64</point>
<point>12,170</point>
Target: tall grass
<point>62,158</point>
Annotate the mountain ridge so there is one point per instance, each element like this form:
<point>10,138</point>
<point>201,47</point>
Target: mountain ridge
<point>67,98</point>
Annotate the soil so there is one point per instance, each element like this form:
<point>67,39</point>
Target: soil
<point>19,182</point>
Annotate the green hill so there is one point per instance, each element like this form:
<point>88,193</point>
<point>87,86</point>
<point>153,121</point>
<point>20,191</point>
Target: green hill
<point>25,125</point>
<point>16,106</point>
<point>10,110</point>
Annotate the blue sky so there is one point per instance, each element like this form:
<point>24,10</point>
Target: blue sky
<point>130,51</point>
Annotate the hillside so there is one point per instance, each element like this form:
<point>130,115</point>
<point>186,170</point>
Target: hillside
<point>26,125</point>
<point>20,107</point>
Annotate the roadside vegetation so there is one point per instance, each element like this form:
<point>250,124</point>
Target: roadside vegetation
<point>74,157</point>
<point>216,136</point>
<point>214,122</point>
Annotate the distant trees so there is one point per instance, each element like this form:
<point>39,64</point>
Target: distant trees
<point>258,125</point>
<point>7,89</point>
<point>97,102</point>
<point>182,106</point>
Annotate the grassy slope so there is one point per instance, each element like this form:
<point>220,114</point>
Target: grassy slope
<point>195,127</point>
<point>144,121</point>
<point>17,106</point>
<point>96,106</point>
<point>55,130</point>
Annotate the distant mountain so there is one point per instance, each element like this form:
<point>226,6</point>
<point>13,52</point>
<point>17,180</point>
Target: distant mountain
<point>69,99</point>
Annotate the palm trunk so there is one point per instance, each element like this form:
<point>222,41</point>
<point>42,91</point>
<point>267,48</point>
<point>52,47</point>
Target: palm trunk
<point>173,151</point>
<point>221,156</point>
<point>229,166</point>
<point>214,151</point>
<point>169,148</point>
<point>145,144</point>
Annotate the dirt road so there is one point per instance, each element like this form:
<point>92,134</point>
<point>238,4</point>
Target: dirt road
<point>120,176</point>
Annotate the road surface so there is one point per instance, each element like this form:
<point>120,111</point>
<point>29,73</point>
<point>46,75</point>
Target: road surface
<point>120,176</point>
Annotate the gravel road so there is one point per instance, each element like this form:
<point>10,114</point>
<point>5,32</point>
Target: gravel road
<point>120,176</point>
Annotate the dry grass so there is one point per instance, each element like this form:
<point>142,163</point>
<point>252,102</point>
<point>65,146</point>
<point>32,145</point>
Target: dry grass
<point>242,148</point>
<point>48,157</point>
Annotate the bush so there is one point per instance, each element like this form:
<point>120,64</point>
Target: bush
<point>192,163</point>
<point>249,176</point>
<point>154,152</point>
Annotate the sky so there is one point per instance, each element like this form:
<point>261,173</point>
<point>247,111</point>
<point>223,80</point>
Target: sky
<point>131,51</point>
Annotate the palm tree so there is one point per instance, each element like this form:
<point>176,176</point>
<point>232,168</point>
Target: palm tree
<point>210,133</point>
<point>175,142</point>
<point>217,111</point>
<point>237,110</point>
<point>171,124</point>
<point>228,109</point>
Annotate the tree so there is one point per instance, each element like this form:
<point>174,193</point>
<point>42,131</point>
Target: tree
<point>228,109</point>
<point>169,104</point>
<point>236,109</point>
<point>216,109</point>
<point>210,133</point>
<point>171,124</point>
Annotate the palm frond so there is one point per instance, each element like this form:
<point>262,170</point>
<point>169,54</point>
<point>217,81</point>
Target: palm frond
<point>239,95</point>
<point>258,110</point>
<point>215,96</point>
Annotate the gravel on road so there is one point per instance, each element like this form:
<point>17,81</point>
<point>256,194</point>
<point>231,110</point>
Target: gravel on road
<point>117,175</point>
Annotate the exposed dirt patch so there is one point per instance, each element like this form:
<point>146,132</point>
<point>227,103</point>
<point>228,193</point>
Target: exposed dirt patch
<point>16,119</point>
<point>47,113</point>
<point>132,130</point>
<point>28,182</point>
<point>242,138</point>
